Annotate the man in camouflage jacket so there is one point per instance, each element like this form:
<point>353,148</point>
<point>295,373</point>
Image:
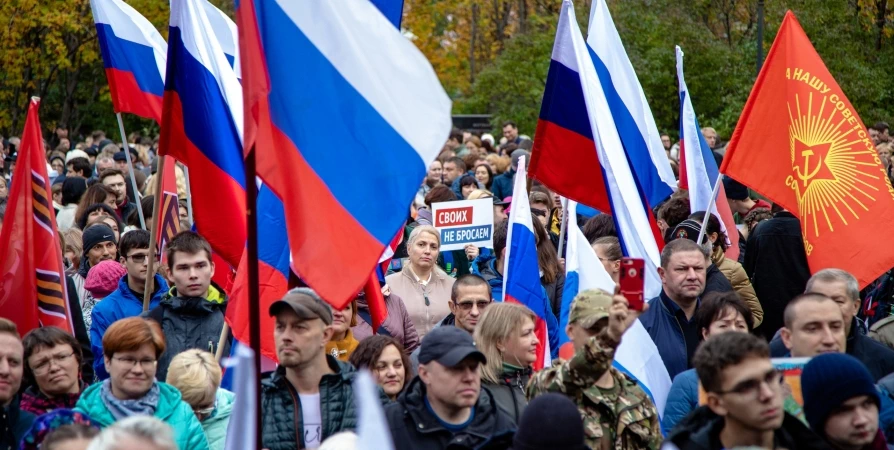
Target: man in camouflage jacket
<point>617,414</point>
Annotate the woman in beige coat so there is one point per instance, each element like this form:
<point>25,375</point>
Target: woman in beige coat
<point>423,286</point>
<point>732,270</point>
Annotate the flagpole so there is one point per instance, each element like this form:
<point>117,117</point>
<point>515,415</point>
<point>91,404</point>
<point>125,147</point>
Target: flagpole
<point>254,294</point>
<point>224,332</point>
<point>563,225</point>
<point>714,192</point>
<point>133,179</point>
<point>188,195</point>
<point>153,234</point>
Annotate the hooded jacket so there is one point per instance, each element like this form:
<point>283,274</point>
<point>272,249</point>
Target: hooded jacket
<point>415,427</point>
<point>701,431</point>
<point>171,409</point>
<point>190,322</point>
<point>120,304</point>
<point>215,425</point>
<point>502,186</point>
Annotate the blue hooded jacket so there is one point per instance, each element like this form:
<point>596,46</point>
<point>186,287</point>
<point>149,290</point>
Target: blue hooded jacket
<point>120,304</point>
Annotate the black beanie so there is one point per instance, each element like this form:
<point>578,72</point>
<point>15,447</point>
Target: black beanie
<point>550,421</point>
<point>829,380</point>
<point>73,188</point>
<point>734,190</point>
<point>96,233</point>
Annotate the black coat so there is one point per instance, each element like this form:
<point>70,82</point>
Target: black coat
<point>14,423</point>
<point>509,393</point>
<point>700,430</point>
<point>716,281</point>
<point>413,427</point>
<point>80,330</point>
<point>777,265</point>
<point>283,428</point>
<point>878,358</point>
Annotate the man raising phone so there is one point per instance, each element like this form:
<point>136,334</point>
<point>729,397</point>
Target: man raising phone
<point>596,323</point>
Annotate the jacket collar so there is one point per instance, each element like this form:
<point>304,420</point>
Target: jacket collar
<point>670,307</point>
<point>342,371</point>
<point>701,430</point>
<point>161,287</point>
<point>413,401</point>
<point>215,298</point>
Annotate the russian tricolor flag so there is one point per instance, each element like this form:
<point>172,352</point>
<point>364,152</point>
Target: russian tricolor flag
<point>699,172</point>
<point>134,56</point>
<point>628,106</point>
<point>574,92</point>
<point>521,277</point>
<point>338,75</point>
<point>203,126</point>
<point>637,355</point>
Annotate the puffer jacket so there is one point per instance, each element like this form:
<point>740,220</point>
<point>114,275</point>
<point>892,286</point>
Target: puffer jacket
<point>215,425</point>
<point>397,323</point>
<point>190,323</point>
<point>120,304</point>
<point>171,409</point>
<point>503,183</point>
<point>281,406</point>
<point>735,273</point>
<point>415,427</point>
<point>682,399</point>
<point>509,392</point>
<point>701,431</point>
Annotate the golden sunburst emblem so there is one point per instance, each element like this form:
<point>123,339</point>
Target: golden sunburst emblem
<point>834,175</point>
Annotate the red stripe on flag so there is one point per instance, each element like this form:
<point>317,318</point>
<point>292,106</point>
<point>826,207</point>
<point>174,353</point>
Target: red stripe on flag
<point>128,98</point>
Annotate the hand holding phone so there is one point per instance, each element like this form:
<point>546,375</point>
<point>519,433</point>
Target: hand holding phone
<point>632,282</point>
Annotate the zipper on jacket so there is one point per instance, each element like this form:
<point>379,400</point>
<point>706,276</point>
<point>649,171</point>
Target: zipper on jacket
<point>299,433</point>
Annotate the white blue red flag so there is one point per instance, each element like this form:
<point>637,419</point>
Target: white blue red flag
<point>203,127</point>
<point>574,96</point>
<point>637,355</point>
<point>698,169</point>
<point>357,104</point>
<point>241,436</point>
<point>629,108</point>
<point>134,57</point>
<point>521,277</point>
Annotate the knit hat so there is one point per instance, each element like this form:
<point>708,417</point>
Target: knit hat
<point>734,190</point>
<point>550,421</point>
<point>102,279</point>
<point>96,233</point>
<point>49,422</point>
<point>829,380</point>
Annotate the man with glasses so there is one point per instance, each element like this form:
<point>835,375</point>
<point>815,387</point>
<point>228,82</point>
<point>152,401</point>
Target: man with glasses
<point>127,300</point>
<point>469,297</point>
<point>744,400</point>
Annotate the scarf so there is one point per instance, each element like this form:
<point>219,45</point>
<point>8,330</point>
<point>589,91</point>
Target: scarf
<point>36,402</point>
<point>341,350</point>
<point>121,409</point>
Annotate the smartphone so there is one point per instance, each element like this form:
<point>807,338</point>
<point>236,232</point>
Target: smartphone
<point>632,281</point>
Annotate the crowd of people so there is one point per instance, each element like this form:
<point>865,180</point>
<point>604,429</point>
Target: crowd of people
<point>454,364</point>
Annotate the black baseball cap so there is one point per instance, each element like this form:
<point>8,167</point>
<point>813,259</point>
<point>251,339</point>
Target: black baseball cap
<point>305,303</point>
<point>449,346</point>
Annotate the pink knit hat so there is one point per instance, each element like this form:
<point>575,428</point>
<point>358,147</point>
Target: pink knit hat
<point>102,279</point>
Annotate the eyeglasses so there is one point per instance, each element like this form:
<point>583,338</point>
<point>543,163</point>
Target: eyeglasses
<point>203,413</point>
<point>773,380</point>
<point>141,258</point>
<point>44,366</point>
<point>467,306</point>
<point>131,363</point>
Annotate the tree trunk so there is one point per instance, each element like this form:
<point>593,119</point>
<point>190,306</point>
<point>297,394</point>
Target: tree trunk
<point>881,10</point>
<point>473,42</point>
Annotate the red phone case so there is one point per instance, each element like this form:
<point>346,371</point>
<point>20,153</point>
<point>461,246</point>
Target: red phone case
<point>632,282</point>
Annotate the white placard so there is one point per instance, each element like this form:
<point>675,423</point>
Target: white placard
<point>464,222</point>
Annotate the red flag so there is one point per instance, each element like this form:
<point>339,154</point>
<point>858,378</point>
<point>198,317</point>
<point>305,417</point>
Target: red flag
<point>169,218</point>
<point>375,300</point>
<point>32,284</point>
<point>800,143</point>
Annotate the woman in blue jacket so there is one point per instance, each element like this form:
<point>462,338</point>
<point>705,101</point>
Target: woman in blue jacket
<point>719,312</point>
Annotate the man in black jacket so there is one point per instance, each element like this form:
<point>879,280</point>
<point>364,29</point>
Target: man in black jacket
<point>444,406</point>
<point>777,265</point>
<point>13,421</point>
<point>744,400</point>
<point>843,289</point>
<point>310,396</point>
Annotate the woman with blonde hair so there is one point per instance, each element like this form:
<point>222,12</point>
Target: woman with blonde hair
<point>424,287</point>
<point>196,374</point>
<point>505,334</point>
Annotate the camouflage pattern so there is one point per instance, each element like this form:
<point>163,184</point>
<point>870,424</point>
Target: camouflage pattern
<point>633,416</point>
<point>589,307</point>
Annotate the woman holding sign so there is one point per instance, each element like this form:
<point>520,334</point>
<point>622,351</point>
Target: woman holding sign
<point>423,286</point>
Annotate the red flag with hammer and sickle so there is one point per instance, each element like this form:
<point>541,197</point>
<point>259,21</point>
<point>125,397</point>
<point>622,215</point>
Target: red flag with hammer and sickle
<point>800,143</point>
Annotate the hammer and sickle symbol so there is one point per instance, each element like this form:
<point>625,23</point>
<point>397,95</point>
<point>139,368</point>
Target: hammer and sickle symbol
<point>805,177</point>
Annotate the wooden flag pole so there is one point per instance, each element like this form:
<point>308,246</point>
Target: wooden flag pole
<point>133,179</point>
<point>188,195</point>
<point>153,233</point>
<point>224,332</point>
